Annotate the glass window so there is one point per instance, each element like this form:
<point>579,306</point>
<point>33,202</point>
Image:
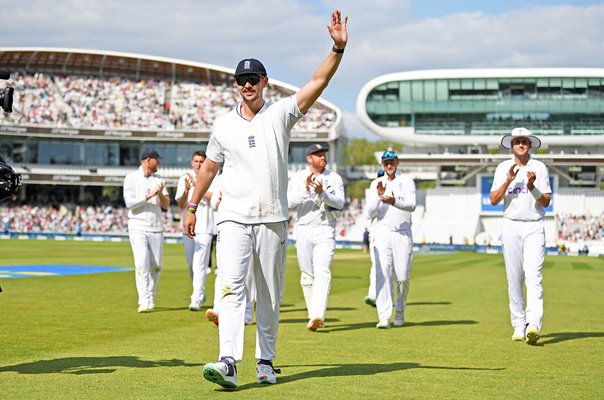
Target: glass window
<point>405,91</point>
<point>568,83</point>
<point>417,90</point>
<point>430,90</point>
<point>442,90</point>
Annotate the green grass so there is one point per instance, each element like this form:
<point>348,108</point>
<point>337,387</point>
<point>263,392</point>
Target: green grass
<point>79,337</point>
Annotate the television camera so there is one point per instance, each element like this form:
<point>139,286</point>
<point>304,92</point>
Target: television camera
<point>6,94</point>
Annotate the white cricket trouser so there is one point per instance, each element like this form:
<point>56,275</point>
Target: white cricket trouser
<point>315,246</point>
<point>371,291</point>
<point>393,252</point>
<point>197,253</point>
<point>239,247</point>
<point>523,251</point>
<point>250,294</point>
<point>147,249</point>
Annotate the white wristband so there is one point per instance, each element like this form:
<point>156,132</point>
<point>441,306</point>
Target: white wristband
<point>535,193</point>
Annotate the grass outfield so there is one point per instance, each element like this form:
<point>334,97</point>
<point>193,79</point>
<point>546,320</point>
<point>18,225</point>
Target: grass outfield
<point>80,337</point>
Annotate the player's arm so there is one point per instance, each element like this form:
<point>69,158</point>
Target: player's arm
<point>205,176</point>
<point>130,198</point>
<point>297,191</point>
<point>499,192</point>
<point>163,196</point>
<point>182,192</point>
<point>543,199</point>
<point>405,198</point>
<point>372,200</point>
<point>334,195</point>
<point>310,92</point>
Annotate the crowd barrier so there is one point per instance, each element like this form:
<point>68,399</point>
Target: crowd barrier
<point>428,248</point>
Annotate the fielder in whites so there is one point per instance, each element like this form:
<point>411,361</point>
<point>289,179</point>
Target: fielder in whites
<point>391,200</point>
<point>197,250</point>
<point>251,143</point>
<point>145,195</point>
<point>523,184</point>
<point>317,194</point>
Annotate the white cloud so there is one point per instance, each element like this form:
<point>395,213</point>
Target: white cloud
<point>291,38</point>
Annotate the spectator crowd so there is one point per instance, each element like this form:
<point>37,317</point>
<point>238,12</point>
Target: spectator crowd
<point>577,228</point>
<point>104,219</point>
<point>86,102</point>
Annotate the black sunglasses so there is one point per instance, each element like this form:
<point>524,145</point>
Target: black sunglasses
<point>252,79</point>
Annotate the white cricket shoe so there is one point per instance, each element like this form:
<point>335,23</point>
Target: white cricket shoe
<point>223,373</point>
<point>518,335</point>
<point>383,324</point>
<point>265,374</point>
<point>195,306</point>
<point>399,318</point>
<point>532,334</point>
<point>143,308</point>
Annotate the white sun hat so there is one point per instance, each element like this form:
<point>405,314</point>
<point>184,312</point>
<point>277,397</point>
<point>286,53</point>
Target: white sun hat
<point>506,141</point>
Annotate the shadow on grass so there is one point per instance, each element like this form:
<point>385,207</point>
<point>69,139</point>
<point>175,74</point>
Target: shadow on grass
<point>557,337</point>
<point>163,309</point>
<point>328,309</point>
<point>363,325</point>
<point>335,370</point>
<point>90,365</point>
<point>429,303</point>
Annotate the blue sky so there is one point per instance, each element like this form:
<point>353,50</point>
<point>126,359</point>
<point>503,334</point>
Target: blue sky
<point>290,37</point>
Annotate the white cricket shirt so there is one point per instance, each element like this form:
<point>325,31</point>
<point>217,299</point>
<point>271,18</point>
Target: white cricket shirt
<point>316,209</point>
<point>395,217</point>
<point>518,203</point>
<point>143,214</point>
<point>254,157</point>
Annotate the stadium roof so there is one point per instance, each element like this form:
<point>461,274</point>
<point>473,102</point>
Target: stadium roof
<point>112,63</point>
<point>405,133</point>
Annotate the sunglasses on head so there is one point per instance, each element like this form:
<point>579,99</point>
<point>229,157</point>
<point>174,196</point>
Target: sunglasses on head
<point>389,155</point>
<point>252,79</point>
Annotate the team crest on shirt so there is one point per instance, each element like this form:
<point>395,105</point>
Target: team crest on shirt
<point>251,141</point>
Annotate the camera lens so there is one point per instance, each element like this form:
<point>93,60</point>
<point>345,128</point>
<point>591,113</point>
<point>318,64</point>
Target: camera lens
<point>6,99</point>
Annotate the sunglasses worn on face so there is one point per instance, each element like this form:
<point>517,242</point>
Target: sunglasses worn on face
<point>252,79</point>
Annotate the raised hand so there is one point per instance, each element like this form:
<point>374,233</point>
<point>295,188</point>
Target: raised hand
<point>381,189</point>
<point>337,29</point>
<point>511,175</point>
<point>531,176</point>
<point>308,181</point>
<point>317,185</point>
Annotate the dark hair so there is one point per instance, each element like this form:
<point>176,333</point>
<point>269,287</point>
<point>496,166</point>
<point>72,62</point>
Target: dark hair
<point>199,153</point>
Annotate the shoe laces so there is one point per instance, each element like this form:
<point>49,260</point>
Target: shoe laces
<point>265,365</point>
<point>230,363</point>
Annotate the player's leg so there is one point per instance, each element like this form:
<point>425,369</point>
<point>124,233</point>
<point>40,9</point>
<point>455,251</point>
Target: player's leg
<point>201,258</point>
<point>304,251</point>
<point>156,251</point>
<point>383,278</point>
<point>534,253</point>
<point>233,250</point>
<point>323,250</point>
<point>402,250</point>
<point>270,245</point>
<point>512,253</point>
<point>370,298</point>
<point>189,248</point>
<point>250,296</point>
<point>138,242</point>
